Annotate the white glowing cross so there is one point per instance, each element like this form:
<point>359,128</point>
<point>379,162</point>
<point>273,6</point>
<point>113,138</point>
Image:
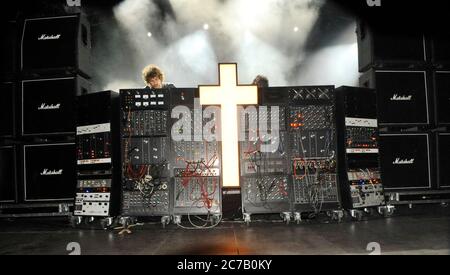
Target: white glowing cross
<point>229,94</point>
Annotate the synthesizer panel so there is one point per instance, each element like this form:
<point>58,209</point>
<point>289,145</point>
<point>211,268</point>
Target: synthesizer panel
<point>359,168</point>
<point>196,166</point>
<point>145,152</point>
<point>313,152</point>
<point>98,156</point>
<point>264,155</point>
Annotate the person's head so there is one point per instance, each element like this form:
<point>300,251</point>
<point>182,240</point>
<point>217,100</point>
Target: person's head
<point>261,81</point>
<point>153,76</point>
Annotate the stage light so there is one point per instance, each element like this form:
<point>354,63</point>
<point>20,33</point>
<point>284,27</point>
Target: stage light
<point>296,29</point>
<point>229,94</point>
<point>149,34</point>
<point>205,27</point>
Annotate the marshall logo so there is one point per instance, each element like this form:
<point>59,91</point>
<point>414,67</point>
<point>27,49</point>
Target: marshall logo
<point>49,37</point>
<point>396,97</point>
<point>49,107</point>
<point>47,172</point>
<point>399,161</point>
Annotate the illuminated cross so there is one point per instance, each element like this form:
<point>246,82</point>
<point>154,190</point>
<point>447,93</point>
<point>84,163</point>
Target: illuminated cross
<point>229,94</point>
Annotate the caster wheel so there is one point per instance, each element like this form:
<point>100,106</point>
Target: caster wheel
<point>177,220</point>
<point>369,211</point>
<point>298,217</point>
<point>356,215</point>
<point>75,221</point>
<point>286,217</point>
<point>165,221</point>
<point>247,219</point>
<point>337,216</point>
<point>89,220</point>
<point>104,224</point>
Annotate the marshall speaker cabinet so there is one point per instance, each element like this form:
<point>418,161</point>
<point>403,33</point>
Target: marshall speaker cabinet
<point>393,48</point>
<point>7,174</point>
<point>402,97</point>
<point>48,105</point>
<point>49,172</point>
<point>442,97</point>
<point>7,110</point>
<point>405,162</point>
<point>52,44</point>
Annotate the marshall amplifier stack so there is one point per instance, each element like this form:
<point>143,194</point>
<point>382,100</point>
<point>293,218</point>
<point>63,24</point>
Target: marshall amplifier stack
<point>411,74</point>
<point>38,113</point>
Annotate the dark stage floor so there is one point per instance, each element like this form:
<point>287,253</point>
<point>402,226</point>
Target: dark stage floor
<point>417,231</point>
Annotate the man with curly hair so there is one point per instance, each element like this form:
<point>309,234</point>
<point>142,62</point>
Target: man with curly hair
<point>154,78</point>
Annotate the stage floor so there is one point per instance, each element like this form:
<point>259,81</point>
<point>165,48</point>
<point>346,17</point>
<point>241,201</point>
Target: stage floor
<point>419,231</point>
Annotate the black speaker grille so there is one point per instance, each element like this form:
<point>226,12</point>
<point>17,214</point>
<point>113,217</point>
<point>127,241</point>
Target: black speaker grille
<point>49,172</point>
<point>50,43</point>
<point>405,161</point>
<point>402,98</point>
<point>48,106</point>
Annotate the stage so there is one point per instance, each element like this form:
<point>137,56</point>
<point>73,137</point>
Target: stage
<point>421,230</point>
<point>224,127</point>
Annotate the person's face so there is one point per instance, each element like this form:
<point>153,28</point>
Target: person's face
<point>155,83</point>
